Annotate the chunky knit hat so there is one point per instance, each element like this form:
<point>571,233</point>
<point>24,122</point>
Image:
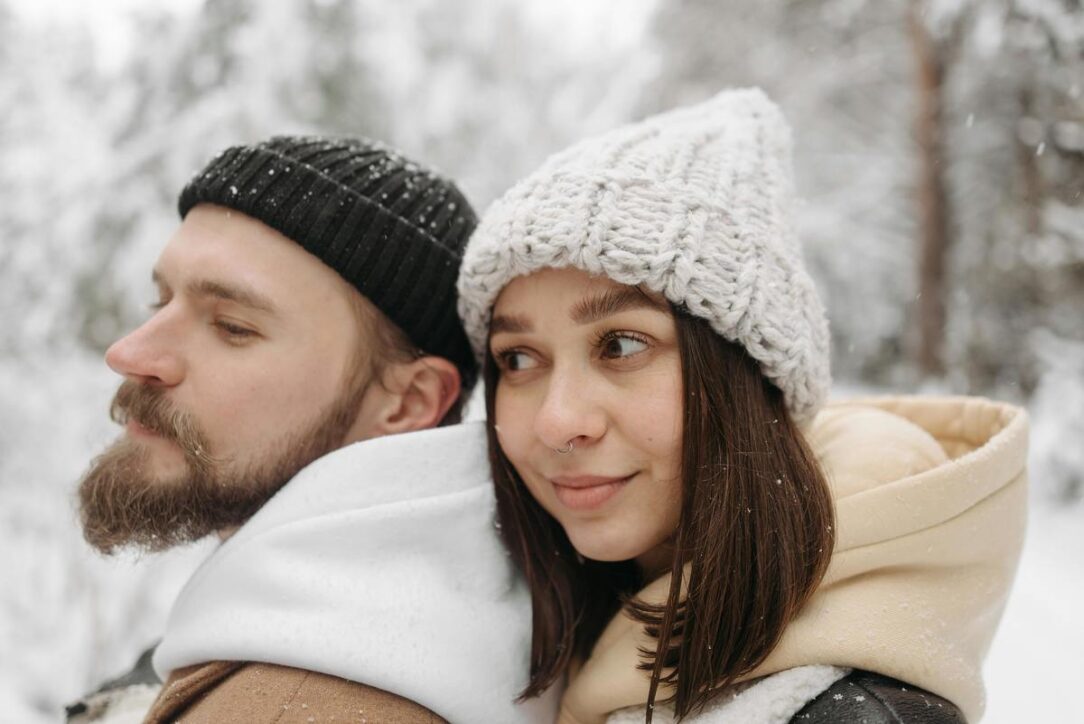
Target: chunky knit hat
<point>693,204</point>
<point>390,227</point>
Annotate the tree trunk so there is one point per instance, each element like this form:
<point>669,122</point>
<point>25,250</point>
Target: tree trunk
<point>933,199</point>
<point>1031,179</point>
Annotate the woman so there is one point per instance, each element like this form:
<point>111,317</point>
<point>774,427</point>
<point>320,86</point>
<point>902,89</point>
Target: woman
<point>702,538</point>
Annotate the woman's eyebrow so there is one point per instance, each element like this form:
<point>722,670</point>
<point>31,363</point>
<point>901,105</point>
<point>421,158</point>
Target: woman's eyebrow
<point>509,323</point>
<point>586,311</point>
<point>599,306</point>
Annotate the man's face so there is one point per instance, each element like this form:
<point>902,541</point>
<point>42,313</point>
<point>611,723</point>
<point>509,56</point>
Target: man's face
<point>248,369</point>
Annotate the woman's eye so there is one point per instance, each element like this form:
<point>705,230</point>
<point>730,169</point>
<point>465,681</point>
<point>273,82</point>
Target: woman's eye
<point>619,346</point>
<point>514,361</point>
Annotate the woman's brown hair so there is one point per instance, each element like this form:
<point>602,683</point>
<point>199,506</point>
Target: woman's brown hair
<point>752,543</point>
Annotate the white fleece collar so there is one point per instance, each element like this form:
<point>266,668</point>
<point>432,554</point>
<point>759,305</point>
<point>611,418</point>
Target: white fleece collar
<point>378,563</point>
<point>773,699</point>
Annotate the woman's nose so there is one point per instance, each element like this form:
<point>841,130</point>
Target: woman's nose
<point>570,412</point>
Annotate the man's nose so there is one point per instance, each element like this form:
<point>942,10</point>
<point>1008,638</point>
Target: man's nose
<point>148,354</point>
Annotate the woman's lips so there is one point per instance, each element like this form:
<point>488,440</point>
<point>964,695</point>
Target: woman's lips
<point>585,492</point>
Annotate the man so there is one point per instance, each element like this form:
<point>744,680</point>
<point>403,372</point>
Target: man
<point>283,396</point>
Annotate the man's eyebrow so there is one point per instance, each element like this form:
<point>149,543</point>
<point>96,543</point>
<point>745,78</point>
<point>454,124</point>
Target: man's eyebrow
<point>226,291</point>
<point>598,307</point>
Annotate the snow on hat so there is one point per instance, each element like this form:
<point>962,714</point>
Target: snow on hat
<point>694,204</point>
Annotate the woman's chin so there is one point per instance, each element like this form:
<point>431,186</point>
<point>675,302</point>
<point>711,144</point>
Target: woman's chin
<point>603,545</point>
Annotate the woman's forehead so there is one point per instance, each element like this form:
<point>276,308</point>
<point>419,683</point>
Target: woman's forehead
<point>566,288</point>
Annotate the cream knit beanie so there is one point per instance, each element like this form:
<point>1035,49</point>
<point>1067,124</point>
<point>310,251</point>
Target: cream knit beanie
<point>694,204</point>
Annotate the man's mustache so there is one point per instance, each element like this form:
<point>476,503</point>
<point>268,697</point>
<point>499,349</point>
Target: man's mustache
<point>149,406</point>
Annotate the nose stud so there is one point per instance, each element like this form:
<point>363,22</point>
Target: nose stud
<point>565,450</point>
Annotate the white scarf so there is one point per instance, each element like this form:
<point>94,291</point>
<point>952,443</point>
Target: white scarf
<point>378,563</point>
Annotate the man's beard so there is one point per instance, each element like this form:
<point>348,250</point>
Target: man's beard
<point>123,504</point>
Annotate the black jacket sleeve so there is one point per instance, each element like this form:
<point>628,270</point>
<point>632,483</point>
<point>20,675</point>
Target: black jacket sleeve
<point>863,697</point>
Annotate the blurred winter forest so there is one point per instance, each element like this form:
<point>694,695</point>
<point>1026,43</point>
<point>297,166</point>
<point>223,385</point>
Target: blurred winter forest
<point>939,151</point>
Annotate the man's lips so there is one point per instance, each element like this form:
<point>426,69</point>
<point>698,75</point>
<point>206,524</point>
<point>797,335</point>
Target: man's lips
<point>134,428</point>
<point>585,492</point>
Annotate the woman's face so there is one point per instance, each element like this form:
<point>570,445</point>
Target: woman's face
<point>587,361</point>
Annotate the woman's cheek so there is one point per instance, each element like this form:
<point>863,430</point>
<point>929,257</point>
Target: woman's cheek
<point>656,413</point>
<point>513,424</point>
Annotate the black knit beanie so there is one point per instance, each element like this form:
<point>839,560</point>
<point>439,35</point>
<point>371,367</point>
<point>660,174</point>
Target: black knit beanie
<point>393,229</point>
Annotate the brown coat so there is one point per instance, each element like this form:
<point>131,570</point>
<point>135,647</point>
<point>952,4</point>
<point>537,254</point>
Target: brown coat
<point>222,692</point>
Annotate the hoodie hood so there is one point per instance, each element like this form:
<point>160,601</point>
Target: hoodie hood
<point>378,563</point>
<point>931,504</point>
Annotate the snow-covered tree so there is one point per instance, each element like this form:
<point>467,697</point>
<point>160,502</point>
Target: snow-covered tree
<point>938,145</point>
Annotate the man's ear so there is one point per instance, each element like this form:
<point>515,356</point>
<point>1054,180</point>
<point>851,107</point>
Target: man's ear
<point>418,395</point>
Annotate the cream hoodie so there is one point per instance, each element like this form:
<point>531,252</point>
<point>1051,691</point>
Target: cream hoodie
<point>931,506</point>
